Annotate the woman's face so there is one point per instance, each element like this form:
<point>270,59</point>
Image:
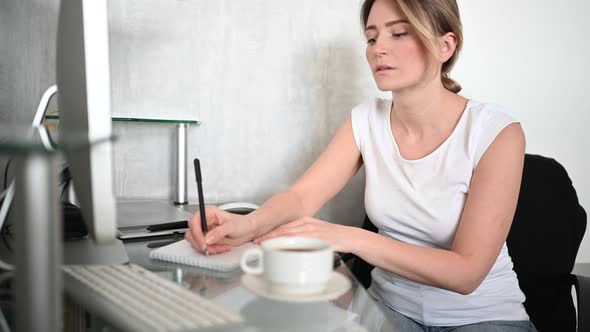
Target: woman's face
<point>397,58</point>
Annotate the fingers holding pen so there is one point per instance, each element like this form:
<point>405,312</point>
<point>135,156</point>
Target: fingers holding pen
<point>213,249</point>
<point>191,240</point>
<point>225,230</point>
<point>217,234</point>
<point>196,229</point>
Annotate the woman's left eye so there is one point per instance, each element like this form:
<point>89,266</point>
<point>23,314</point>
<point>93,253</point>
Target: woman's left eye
<point>399,35</point>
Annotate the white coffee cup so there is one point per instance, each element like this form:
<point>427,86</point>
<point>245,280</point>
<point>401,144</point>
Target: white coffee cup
<point>291,265</point>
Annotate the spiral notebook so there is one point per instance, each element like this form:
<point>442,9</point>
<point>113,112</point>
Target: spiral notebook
<point>181,252</point>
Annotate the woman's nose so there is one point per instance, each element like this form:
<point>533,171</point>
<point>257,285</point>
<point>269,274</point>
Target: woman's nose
<point>379,48</point>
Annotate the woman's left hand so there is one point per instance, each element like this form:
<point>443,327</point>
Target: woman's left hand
<point>339,236</point>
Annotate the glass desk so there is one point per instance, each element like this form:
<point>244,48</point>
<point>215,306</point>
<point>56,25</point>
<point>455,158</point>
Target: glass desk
<point>353,311</point>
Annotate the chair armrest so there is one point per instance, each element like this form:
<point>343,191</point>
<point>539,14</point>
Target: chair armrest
<point>346,257</point>
<point>582,285</point>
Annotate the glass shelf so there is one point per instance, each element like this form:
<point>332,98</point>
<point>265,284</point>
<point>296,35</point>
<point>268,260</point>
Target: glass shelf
<point>21,139</point>
<point>180,188</point>
<point>124,119</point>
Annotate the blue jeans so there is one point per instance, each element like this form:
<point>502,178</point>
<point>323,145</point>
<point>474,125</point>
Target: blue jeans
<point>402,323</point>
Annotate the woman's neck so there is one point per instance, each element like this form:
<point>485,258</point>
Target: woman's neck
<point>426,109</point>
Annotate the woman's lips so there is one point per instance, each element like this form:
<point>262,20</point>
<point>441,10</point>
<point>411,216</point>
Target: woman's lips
<point>383,69</point>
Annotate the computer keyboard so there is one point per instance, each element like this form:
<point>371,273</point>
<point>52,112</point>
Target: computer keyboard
<point>134,299</point>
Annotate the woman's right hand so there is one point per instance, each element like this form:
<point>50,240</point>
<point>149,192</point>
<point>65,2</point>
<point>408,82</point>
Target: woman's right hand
<point>225,230</point>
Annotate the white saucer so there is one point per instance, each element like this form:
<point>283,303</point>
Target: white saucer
<point>337,285</point>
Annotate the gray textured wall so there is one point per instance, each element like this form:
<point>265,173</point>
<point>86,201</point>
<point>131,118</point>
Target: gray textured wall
<point>27,38</point>
<point>270,82</point>
<point>27,42</point>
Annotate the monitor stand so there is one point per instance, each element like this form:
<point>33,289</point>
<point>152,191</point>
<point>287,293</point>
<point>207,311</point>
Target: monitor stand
<point>87,252</point>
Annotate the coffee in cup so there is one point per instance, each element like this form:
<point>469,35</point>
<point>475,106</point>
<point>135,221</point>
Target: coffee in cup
<point>291,265</point>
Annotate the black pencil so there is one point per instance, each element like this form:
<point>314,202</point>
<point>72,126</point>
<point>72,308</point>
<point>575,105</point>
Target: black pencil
<point>201,201</point>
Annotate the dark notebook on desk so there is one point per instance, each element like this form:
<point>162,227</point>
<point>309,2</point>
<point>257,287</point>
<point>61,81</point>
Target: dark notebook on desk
<point>145,218</point>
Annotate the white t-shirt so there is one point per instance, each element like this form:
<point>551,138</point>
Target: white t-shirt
<point>421,202</point>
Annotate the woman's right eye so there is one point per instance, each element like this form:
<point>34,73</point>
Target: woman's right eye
<point>371,41</point>
<point>399,35</point>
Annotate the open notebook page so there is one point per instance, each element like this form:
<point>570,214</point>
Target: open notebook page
<point>181,252</point>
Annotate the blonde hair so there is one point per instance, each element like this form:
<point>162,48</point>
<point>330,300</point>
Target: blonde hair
<point>430,19</point>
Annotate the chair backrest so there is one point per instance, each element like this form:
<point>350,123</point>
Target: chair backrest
<point>547,230</point>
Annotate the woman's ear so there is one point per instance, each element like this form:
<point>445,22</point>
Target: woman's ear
<point>448,44</point>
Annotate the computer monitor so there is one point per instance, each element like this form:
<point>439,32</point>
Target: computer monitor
<point>84,98</point>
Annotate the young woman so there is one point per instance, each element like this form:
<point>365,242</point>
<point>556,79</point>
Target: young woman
<point>442,181</point>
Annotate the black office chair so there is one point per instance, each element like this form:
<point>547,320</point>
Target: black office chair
<point>546,232</point>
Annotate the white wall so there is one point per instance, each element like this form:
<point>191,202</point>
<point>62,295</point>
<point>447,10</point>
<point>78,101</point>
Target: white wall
<point>532,57</point>
<point>271,80</point>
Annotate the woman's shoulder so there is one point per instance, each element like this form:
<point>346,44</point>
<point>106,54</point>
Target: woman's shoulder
<point>373,105</point>
<point>485,111</point>
<point>485,122</point>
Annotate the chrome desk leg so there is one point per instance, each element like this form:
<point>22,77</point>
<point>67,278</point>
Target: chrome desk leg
<point>180,195</point>
<point>38,245</point>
